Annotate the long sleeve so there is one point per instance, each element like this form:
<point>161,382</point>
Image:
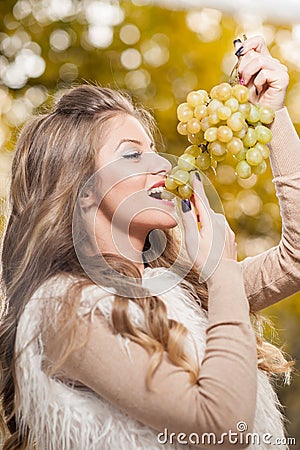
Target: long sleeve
<point>275,274</point>
<point>225,392</point>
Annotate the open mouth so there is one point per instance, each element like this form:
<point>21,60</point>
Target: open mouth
<point>160,193</point>
<point>156,192</point>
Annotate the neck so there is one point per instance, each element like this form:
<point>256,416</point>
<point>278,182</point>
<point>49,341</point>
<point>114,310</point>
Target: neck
<point>127,244</point>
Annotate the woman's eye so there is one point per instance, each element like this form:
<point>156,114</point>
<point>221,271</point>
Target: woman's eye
<point>134,155</point>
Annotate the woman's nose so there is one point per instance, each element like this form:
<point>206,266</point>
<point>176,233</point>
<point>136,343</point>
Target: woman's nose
<point>160,164</point>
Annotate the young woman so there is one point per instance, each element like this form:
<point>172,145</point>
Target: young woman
<point>105,345</point>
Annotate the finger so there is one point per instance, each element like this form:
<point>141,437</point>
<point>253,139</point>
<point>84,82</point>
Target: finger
<point>251,67</point>
<point>202,205</point>
<point>190,226</point>
<point>199,192</point>
<point>270,78</point>
<point>256,43</point>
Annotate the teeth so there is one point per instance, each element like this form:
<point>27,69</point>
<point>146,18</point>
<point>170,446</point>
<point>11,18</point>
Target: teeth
<point>156,190</point>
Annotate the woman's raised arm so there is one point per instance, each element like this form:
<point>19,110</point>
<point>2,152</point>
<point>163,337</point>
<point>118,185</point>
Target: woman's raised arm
<point>274,274</point>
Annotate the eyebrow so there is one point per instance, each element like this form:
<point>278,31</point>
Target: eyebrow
<point>134,141</point>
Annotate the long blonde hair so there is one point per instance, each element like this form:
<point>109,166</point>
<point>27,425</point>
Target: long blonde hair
<point>55,157</point>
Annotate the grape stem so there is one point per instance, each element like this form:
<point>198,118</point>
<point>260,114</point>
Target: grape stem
<point>234,74</point>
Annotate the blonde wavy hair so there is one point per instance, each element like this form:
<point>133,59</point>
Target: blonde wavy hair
<point>54,158</point>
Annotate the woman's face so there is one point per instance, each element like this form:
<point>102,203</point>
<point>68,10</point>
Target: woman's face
<point>128,167</point>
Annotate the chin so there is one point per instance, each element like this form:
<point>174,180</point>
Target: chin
<point>166,225</point>
<point>162,222</point>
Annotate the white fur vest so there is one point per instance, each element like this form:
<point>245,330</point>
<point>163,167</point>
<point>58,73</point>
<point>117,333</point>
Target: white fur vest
<point>61,417</point>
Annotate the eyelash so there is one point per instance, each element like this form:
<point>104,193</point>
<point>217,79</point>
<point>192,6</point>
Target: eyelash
<point>134,155</point>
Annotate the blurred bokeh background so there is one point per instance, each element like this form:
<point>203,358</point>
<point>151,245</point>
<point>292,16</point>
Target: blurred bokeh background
<point>158,51</point>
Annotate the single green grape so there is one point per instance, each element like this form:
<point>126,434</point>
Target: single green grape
<point>236,121</point>
<point>233,104</point>
<point>254,156</point>
<point>224,112</point>
<point>171,183</point>
<point>200,112</point>
<point>195,98</point>
<point>223,91</point>
<point>241,93</point>
<point>235,145</point>
<point>213,92</point>
<point>243,169</point>
<point>217,149</point>
<point>193,126</point>
<point>250,137</point>
<point>193,150</point>
<point>210,134</point>
<point>185,191</point>
<point>182,128</point>
<point>197,138</point>
<point>186,162</point>
<point>253,115</point>
<point>263,134</point>
<point>184,112</point>
<point>224,133</point>
<point>203,161</point>
<point>181,176</point>
<point>213,118</point>
<point>266,115</point>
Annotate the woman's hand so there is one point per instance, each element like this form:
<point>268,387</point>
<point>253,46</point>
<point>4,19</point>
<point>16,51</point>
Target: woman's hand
<point>266,78</point>
<point>214,242</point>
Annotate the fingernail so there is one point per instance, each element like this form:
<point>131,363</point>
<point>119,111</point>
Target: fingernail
<point>197,176</point>
<point>237,41</point>
<point>239,52</point>
<point>185,205</point>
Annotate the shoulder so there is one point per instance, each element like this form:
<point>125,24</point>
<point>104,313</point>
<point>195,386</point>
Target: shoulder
<point>54,298</point>
<point>55,291</point>
<point>58,286</point>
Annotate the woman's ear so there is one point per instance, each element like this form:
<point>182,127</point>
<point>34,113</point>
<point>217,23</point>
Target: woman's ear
<point>87,199</point>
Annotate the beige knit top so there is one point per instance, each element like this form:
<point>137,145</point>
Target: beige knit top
<point>225,392</point>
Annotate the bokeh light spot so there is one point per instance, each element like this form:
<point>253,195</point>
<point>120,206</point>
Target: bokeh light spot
<point>60,40</point>
<point>130,34</point>
<point>100,36</point>
<point>131,58</point>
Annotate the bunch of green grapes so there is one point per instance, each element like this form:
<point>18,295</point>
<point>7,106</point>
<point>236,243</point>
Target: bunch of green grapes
<point>218,123</point>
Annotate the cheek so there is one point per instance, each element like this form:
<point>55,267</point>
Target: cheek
<point>124,196</point>
<point>121,178</point>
